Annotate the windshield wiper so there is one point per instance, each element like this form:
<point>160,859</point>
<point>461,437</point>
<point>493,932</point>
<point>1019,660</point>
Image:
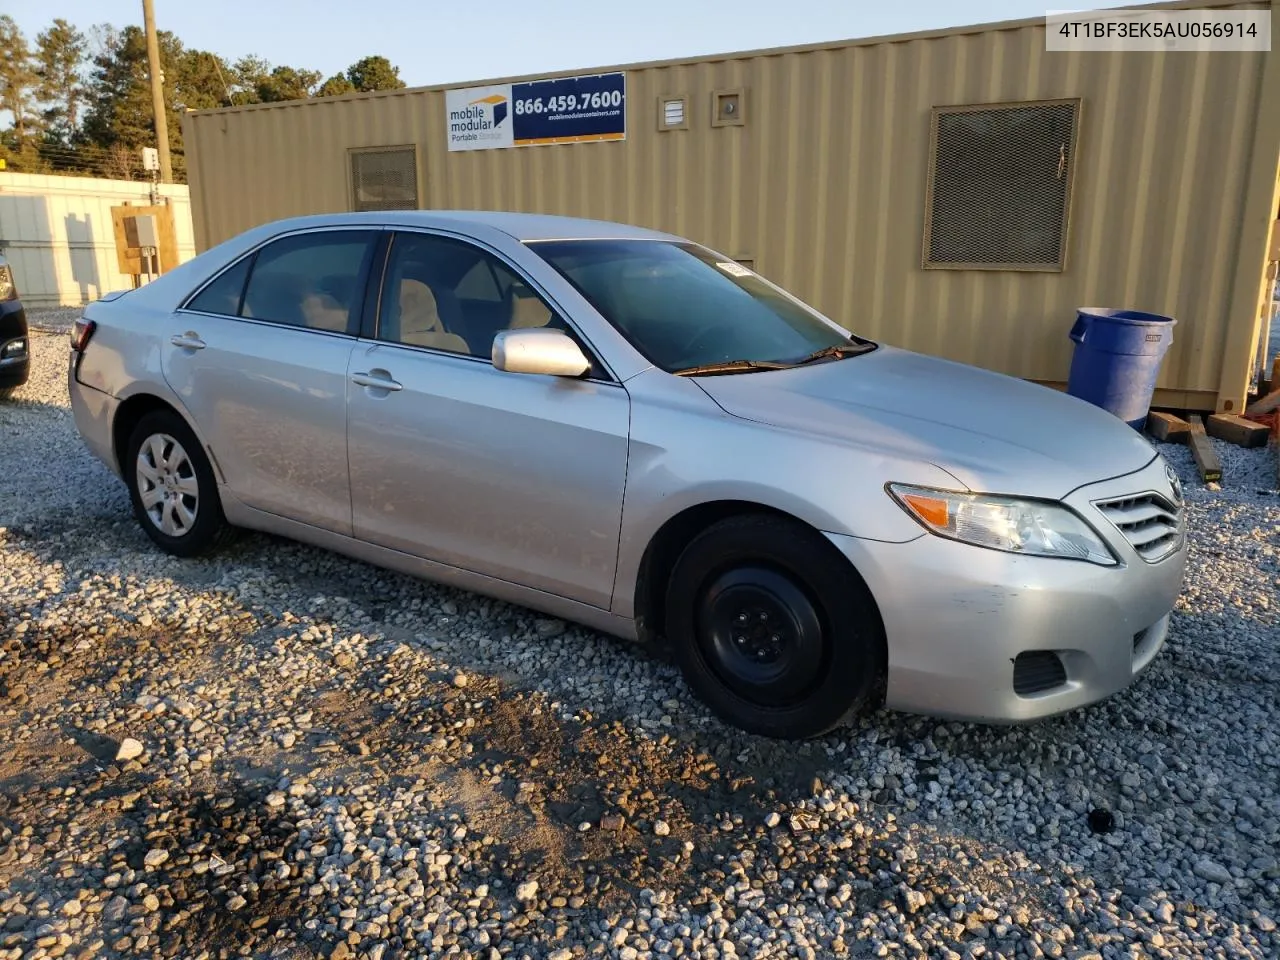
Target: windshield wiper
<point>837,350</point>
<point>731,366</point>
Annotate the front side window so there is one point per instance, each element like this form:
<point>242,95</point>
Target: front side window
<point>684,308</point>
<point>450,295</point>
<point>312,280</point>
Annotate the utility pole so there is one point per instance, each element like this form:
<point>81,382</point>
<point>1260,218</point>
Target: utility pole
<point>157,90</point>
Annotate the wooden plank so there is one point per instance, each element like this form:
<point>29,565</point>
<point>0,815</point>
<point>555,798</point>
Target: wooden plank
<point>1237,430</point>
<point>1265,404</point>
<point>1202,450</point>
<point>1166,426</point>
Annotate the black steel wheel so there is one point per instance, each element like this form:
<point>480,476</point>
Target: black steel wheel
<point>772,627</point>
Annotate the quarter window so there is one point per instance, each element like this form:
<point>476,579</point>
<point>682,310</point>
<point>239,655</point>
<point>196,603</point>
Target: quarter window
<point>222,296</point>
<point>312,280</point>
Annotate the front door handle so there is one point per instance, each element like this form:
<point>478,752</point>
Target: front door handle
<point>188,341</point>
<point>383,382</point>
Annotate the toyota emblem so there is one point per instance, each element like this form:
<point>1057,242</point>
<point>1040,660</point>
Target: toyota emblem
<point>1174,483</point>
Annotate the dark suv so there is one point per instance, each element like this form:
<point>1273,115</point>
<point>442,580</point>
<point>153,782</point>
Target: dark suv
<point>15,345</point>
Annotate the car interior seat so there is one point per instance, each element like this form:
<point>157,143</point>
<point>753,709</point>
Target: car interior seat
<point>419,319</point>
<point>323,312</point>
<point>528,311</point>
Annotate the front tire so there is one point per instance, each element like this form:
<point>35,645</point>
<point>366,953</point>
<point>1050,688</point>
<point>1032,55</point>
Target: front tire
<point>772,627</point>
<point>172,486</point>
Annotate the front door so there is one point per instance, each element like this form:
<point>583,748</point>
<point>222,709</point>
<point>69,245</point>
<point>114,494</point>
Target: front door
<point>515,476</point>
<point>259,358</point>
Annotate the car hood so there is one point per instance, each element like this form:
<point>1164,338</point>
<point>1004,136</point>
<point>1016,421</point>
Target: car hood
<point>994,433</point>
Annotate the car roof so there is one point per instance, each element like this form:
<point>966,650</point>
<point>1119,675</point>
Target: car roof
<point>521,226</point>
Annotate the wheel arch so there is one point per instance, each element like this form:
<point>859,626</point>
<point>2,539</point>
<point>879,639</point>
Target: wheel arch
<point>669,541</point>
<point>132,409</point>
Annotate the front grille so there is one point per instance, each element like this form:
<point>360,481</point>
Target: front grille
<point>1036,671</point>
<point>1148,521</point>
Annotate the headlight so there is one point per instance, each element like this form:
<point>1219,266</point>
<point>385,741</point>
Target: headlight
<point>14,350</point>
<point>1004,523</point>
<point>7,290</point>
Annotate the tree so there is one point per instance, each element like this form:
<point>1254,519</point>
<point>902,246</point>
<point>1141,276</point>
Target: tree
<point>17,76</point>
<point>120,112</point>
<point>247,74</point>
<point>287,83</point>
<point>199,81</point>
<point>335,86</point>
<point>119,103</point>
<point>258,82</point>
<point>374,73</point>
<point>60,58</point>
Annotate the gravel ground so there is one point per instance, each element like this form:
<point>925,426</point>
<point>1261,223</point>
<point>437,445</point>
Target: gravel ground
<point>278,752</point>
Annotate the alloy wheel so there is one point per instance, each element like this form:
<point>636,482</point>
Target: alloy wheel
<point>167,485</point>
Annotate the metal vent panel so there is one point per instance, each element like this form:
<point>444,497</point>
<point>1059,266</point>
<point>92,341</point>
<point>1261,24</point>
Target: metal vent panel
<point>384,179</point>
<point>1000,186</point>
<point>1151,523</point>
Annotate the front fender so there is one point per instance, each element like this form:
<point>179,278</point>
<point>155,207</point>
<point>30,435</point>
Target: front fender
<point>689,453</point>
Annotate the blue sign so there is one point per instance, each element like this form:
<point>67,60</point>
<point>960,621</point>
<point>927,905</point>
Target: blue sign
<point>564,110</point>
<point>570,109</point>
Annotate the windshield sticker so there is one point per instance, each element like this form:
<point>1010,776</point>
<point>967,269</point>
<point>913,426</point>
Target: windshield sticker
<point>734,269</point>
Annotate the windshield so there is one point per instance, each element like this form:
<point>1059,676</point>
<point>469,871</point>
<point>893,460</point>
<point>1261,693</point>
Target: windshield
<point>683,307</point>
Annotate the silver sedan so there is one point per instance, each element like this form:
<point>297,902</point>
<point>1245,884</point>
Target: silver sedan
<point>631,431</point>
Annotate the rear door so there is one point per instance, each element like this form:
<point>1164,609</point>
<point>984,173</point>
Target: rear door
<point>516,476</point>
<point>259,358</point>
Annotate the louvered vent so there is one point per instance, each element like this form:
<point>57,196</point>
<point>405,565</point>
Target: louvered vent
<point>1000,186</point>
<point>384,179</point>
<point>1149,522</point>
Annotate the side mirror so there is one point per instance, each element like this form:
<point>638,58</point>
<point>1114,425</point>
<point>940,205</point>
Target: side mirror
<point>538,350</point>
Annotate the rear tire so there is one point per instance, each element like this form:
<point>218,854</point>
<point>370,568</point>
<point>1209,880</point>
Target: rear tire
<point>772,627</point>
<point>172,487</point>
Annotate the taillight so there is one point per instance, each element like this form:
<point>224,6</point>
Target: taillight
<point>81,331</point>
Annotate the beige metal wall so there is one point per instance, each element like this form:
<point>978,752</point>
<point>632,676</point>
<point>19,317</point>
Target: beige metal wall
<point>824,186</point>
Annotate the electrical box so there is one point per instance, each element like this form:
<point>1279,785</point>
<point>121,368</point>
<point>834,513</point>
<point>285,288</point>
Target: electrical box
<point>130,255</point>
<point>142,231</point>
<point>150,158</point>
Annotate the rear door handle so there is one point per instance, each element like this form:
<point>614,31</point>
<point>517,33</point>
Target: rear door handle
<point>383,382</point>
<point>188,341</point>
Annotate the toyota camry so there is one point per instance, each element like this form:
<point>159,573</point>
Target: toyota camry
<point>631,431</point>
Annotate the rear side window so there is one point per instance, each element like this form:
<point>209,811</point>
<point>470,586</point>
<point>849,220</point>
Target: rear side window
<point>223,295</point>
<point>313,280</point>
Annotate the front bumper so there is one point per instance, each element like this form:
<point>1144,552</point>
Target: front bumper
<point>958,617</point>
<point>14,370</point>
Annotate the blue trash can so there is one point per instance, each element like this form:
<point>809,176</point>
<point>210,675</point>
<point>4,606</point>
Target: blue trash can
<point>1117,359</point>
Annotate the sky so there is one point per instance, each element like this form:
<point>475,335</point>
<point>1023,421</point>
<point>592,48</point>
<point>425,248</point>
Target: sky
<point>446,42</point>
